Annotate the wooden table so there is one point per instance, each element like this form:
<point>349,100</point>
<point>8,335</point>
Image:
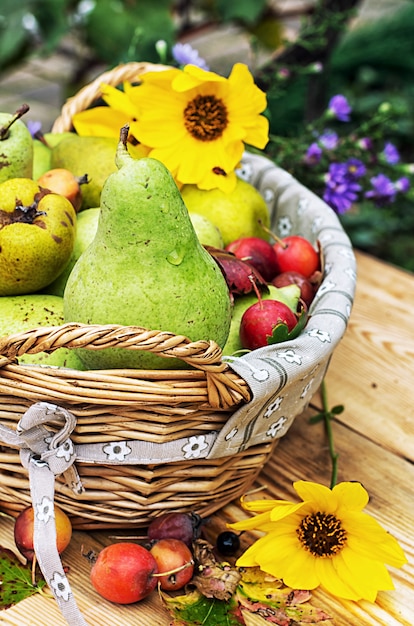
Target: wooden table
<point>372,375</point>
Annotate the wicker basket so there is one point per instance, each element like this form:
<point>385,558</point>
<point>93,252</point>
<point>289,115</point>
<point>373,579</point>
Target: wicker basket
<point>193,439</point>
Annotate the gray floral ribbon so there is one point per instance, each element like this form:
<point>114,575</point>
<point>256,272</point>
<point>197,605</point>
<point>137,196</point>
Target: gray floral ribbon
<point>46,454</point>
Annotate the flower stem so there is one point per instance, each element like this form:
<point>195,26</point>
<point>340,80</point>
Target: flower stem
<point>328,428</point>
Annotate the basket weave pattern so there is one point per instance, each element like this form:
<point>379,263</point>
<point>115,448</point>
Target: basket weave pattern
<point>199,436</point>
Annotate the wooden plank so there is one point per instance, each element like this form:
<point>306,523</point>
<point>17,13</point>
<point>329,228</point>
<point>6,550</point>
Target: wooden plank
<point>371,370</point>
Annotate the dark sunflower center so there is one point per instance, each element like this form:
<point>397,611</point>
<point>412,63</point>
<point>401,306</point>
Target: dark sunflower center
<point>205,117</point>
<point>322,534</point>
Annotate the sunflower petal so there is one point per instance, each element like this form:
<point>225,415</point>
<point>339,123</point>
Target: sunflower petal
<point>335,582</point>
<point>321,496</point>
<point>364,575</point>
<point>99,122</point>
<point>351,495</point>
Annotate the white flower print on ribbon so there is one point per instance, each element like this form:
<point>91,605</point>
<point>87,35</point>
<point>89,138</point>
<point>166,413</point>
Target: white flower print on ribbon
<point>245,172</point>
<point>274,406</point>
<point>303,206</point>
<point>284,226</point>
<point>322,335</point>
<point>268,195</point>
<point>65,450</point>
<point>290,356</point>
<point>307,388</point>
<point>194,447</point>
<point>276,427</point>
<point>231,434</point>
<point>326,286</point>
<point>45,510</point>
<point>117,450</point>
<point>60,586</point>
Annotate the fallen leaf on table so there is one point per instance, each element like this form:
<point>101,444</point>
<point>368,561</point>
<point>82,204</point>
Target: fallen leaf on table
<point>16,580</point>
<point>213,578</point>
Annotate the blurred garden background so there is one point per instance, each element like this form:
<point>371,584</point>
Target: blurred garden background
<point>301,52</point>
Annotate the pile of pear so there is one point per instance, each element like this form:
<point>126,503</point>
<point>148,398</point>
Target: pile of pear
<point>130,252</point>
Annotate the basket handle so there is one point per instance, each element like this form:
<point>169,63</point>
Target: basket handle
<point>91,92</point>
<point>223,388</point>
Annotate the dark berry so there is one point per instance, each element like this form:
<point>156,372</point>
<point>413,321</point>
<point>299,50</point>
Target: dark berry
<point>228,543</point>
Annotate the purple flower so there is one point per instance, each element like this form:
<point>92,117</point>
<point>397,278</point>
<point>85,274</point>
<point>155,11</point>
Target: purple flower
<point>383,190</point>
<point>356,168</point>
<point>185,54</point>
<point>341,189</point>
<point>313,154</point>
<point>402,184</point>
<point>390,153</point>
<point>329,139</point>
<point>365,143</point>
<point>339,108</point>
<point>34,127</point>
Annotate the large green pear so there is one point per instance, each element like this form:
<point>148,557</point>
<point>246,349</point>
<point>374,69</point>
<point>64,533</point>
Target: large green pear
<point>146,267</point>
<point>23,313</point>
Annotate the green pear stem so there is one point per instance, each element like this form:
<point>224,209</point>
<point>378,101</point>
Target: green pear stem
<point>275,237</point>
<point>122,154</point>
<point>4,130</point>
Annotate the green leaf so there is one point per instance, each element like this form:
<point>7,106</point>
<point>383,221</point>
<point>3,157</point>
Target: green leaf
<point>281,333</point>
<point>13,36</point>
<point>338,409</point>
<point>133,29</point>
<point>15,580</point>
<point>193,609</point>
<point>246,11</point>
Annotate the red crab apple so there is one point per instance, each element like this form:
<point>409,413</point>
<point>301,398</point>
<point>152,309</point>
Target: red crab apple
<point>297,254</point>
<point>259,321</point>
<point>124,573</point>
<point>258,252</point>
<point>175,559</point>
<point>307,290</point>
<point>24,527</point>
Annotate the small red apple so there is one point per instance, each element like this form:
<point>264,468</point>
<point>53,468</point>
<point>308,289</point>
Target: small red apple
<point>297,254</point>
<point>258,252</point>
<point>124,573</point>
<point>307,290</point>
<point>24,528</point>
<point>259,321</point>
<point>175,558</point>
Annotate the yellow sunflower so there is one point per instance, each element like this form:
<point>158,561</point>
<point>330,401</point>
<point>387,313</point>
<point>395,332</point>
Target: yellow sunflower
<point>324,540</point>
<point>194,121</point>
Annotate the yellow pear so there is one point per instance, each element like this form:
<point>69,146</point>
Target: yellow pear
<point>239,213</point>
<point>37,234</point>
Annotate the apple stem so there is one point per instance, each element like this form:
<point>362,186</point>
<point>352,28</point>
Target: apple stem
<point>129,537</point>
<point>34,563</point>
<point>4,130</point>
<point>175,570</point>
<point>272,234</point>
